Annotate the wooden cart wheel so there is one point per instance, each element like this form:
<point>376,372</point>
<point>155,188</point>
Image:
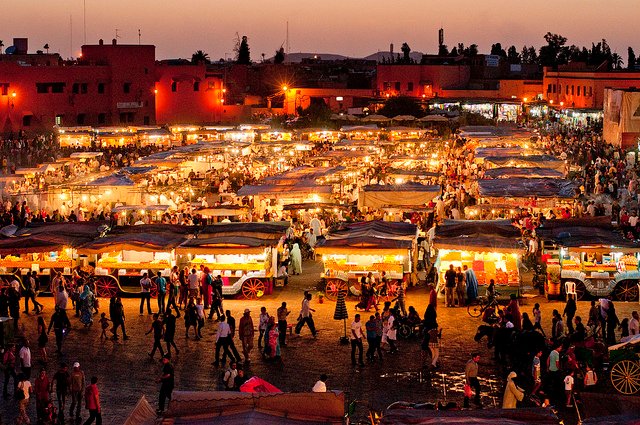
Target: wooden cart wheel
<point>581,291</point>
<point>333,287</point>
<point>625,377</point>
<point>627,290</point>
<point>253,288</point>
<point>106,286</point>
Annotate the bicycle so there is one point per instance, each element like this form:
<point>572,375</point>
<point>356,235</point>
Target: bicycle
<point>477,307</point>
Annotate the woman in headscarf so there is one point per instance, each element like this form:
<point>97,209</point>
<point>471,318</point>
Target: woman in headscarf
<point>296,259</point>
<point>273,340</point>
<point>86,306</point>
<point>512,393</point>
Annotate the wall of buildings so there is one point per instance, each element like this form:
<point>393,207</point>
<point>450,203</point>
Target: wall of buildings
<point>338,99</point>
<point>419,80</point>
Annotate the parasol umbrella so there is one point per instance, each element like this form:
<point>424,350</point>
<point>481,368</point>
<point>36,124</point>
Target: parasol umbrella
<point>258,385</point>
<point>341,313</point>
<point>376,118</point>
<point>434,118</point>
<point>404,118</point>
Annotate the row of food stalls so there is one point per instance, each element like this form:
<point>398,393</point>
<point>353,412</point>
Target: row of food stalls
<point>244,254</point>
<point>108,137</point>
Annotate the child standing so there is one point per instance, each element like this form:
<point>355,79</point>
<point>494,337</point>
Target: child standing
<point>537,317</point>
<point>568,387</point>
<point>104,325</point>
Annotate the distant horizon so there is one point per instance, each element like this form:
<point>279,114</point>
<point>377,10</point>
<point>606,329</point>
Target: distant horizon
<point>350,29</point>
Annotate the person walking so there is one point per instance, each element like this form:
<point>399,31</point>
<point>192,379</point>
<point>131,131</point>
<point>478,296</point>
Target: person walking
<point>450,285</point>
<point>472,283</point>
<point>23,395</point>
<point>356,341</point>
<point>25,359</point>
<point>161,283</point>
<point>170,331</point>
<point>43,338</point>
<point>77,387</point>
<point>306,317</point>
<point>61,324</point>
<point>246,333</point>
<point>41,389</point>
<point>145,293</point>
<point>9,364</point>
<point>157,327</point>
<point>430,343</point>
<point>92,402</point>
<point>471,379</point>
<point>222,343</point>
<point>30,294</point>
<point>231,321</point>
<point>370,328</point>
<point>194,283</point>
<point>282,313</point>
<point>569,312</point>
<point>62,380</point>
<point>172,291</point>
<point>116,312</point>
<point>612,323</point>
<point>461,287</point>
<point>263,319</point>
<point>166,380</point>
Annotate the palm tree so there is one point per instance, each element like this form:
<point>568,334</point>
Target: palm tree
<point>616,61</point>
<point>200,57</point>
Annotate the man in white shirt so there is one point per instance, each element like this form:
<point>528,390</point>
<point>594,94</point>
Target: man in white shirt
<point>356,341</point>
<point>321,385</point>
<point>223,339</point>
<point>145,293</point>
<point>194,280</point>
<point>25,360</point>
<point>62,297</point>
<point>306,317</point>
<point>634,324</point>
<point>230,376</point>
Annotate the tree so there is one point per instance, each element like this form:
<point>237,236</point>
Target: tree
<point>401,105</point>
<point>549,53</point>
<point>279,57</point>
<point>317,113</point>
<point>616,61</point>
<point>454,52</point>
<point>406,50</point>
<point>442,50</point>
<point>631,58</point>
<point>513,56</point>
<point>243,56</point>
<point>496,49</point>
<point>200,57</point>
<point>473,50</point>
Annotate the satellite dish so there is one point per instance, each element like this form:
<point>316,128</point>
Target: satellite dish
<point>10,50</point>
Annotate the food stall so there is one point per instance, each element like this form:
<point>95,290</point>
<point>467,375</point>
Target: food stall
<point>126,252</point>
<point>355,249</point>
<point>528,161</point>
<point>491,248</point>
<point>535,193</point>
<point>404,194</point>
<point>45,248</point>
<point>591,255</point>
<point>74,137</point>
<point>245,255</point>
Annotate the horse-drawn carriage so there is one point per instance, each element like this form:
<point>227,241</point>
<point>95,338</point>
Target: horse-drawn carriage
<point>624,361</point>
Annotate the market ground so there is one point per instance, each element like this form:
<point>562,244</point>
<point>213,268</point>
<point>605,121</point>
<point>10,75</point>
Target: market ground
<point>126,373</point>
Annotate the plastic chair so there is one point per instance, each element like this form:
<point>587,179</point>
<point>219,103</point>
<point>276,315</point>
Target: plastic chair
<point>570,288</point>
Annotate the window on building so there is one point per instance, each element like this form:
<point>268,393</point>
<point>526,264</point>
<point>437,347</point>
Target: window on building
<point>553,88</point>
<point>42,88</point>
<point>566,89</point>
<point>126,87</point>
<point>59,119</point>
<point>123,117</point>
<point>174,86</point>
<point>196,86</point>
<point>548,88</point>
<point>386,86</point>
<point>100,88</point>
<point>80,119</point>
<point>584,91</point>
<point>590,91</point>
<point>398,86</point>
<point>57,87</point>
<point>102,118</point>
<point>573,90</point>
<point>26,120</point>
<point>409,86</point>
<point>4,89</point>
<point>75,88</point>
<point>84,88</point>
<point>578,91</point>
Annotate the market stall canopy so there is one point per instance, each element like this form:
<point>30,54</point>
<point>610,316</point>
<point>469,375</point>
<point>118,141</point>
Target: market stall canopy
<point>222,210</point>
<point>315,206</point>
<point>482,131</point>
<point>234,408</point>
<point>413,172</point>
<point>433,118</point>
<point>116,179</point>
<point>543,161</point>
<point>270,231</point>
<point>149,242</point>
<point>302,174</point>
<point>528,172</point>
<point>527,188</point>
<point>371,237</point>
<point>483,152</point>
<point>85,155</point>
<point>478,235</point>
<point>121,208</point>
<point>378,196</point>
<point>226,245</point>
<point>589,233</point>
<point>300,188</point>
<point>360,128</point>
<point>47,237</point>
<point>520,416</point>
<point>404,118</point>
<point>376,118</point>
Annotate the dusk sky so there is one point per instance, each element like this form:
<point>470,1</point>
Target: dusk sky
<point>349,27</point>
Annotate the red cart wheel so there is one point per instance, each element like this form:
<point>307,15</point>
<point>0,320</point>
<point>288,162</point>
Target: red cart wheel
<point>253,288</point>
<point>106,286</point>
<point>333,287</point>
